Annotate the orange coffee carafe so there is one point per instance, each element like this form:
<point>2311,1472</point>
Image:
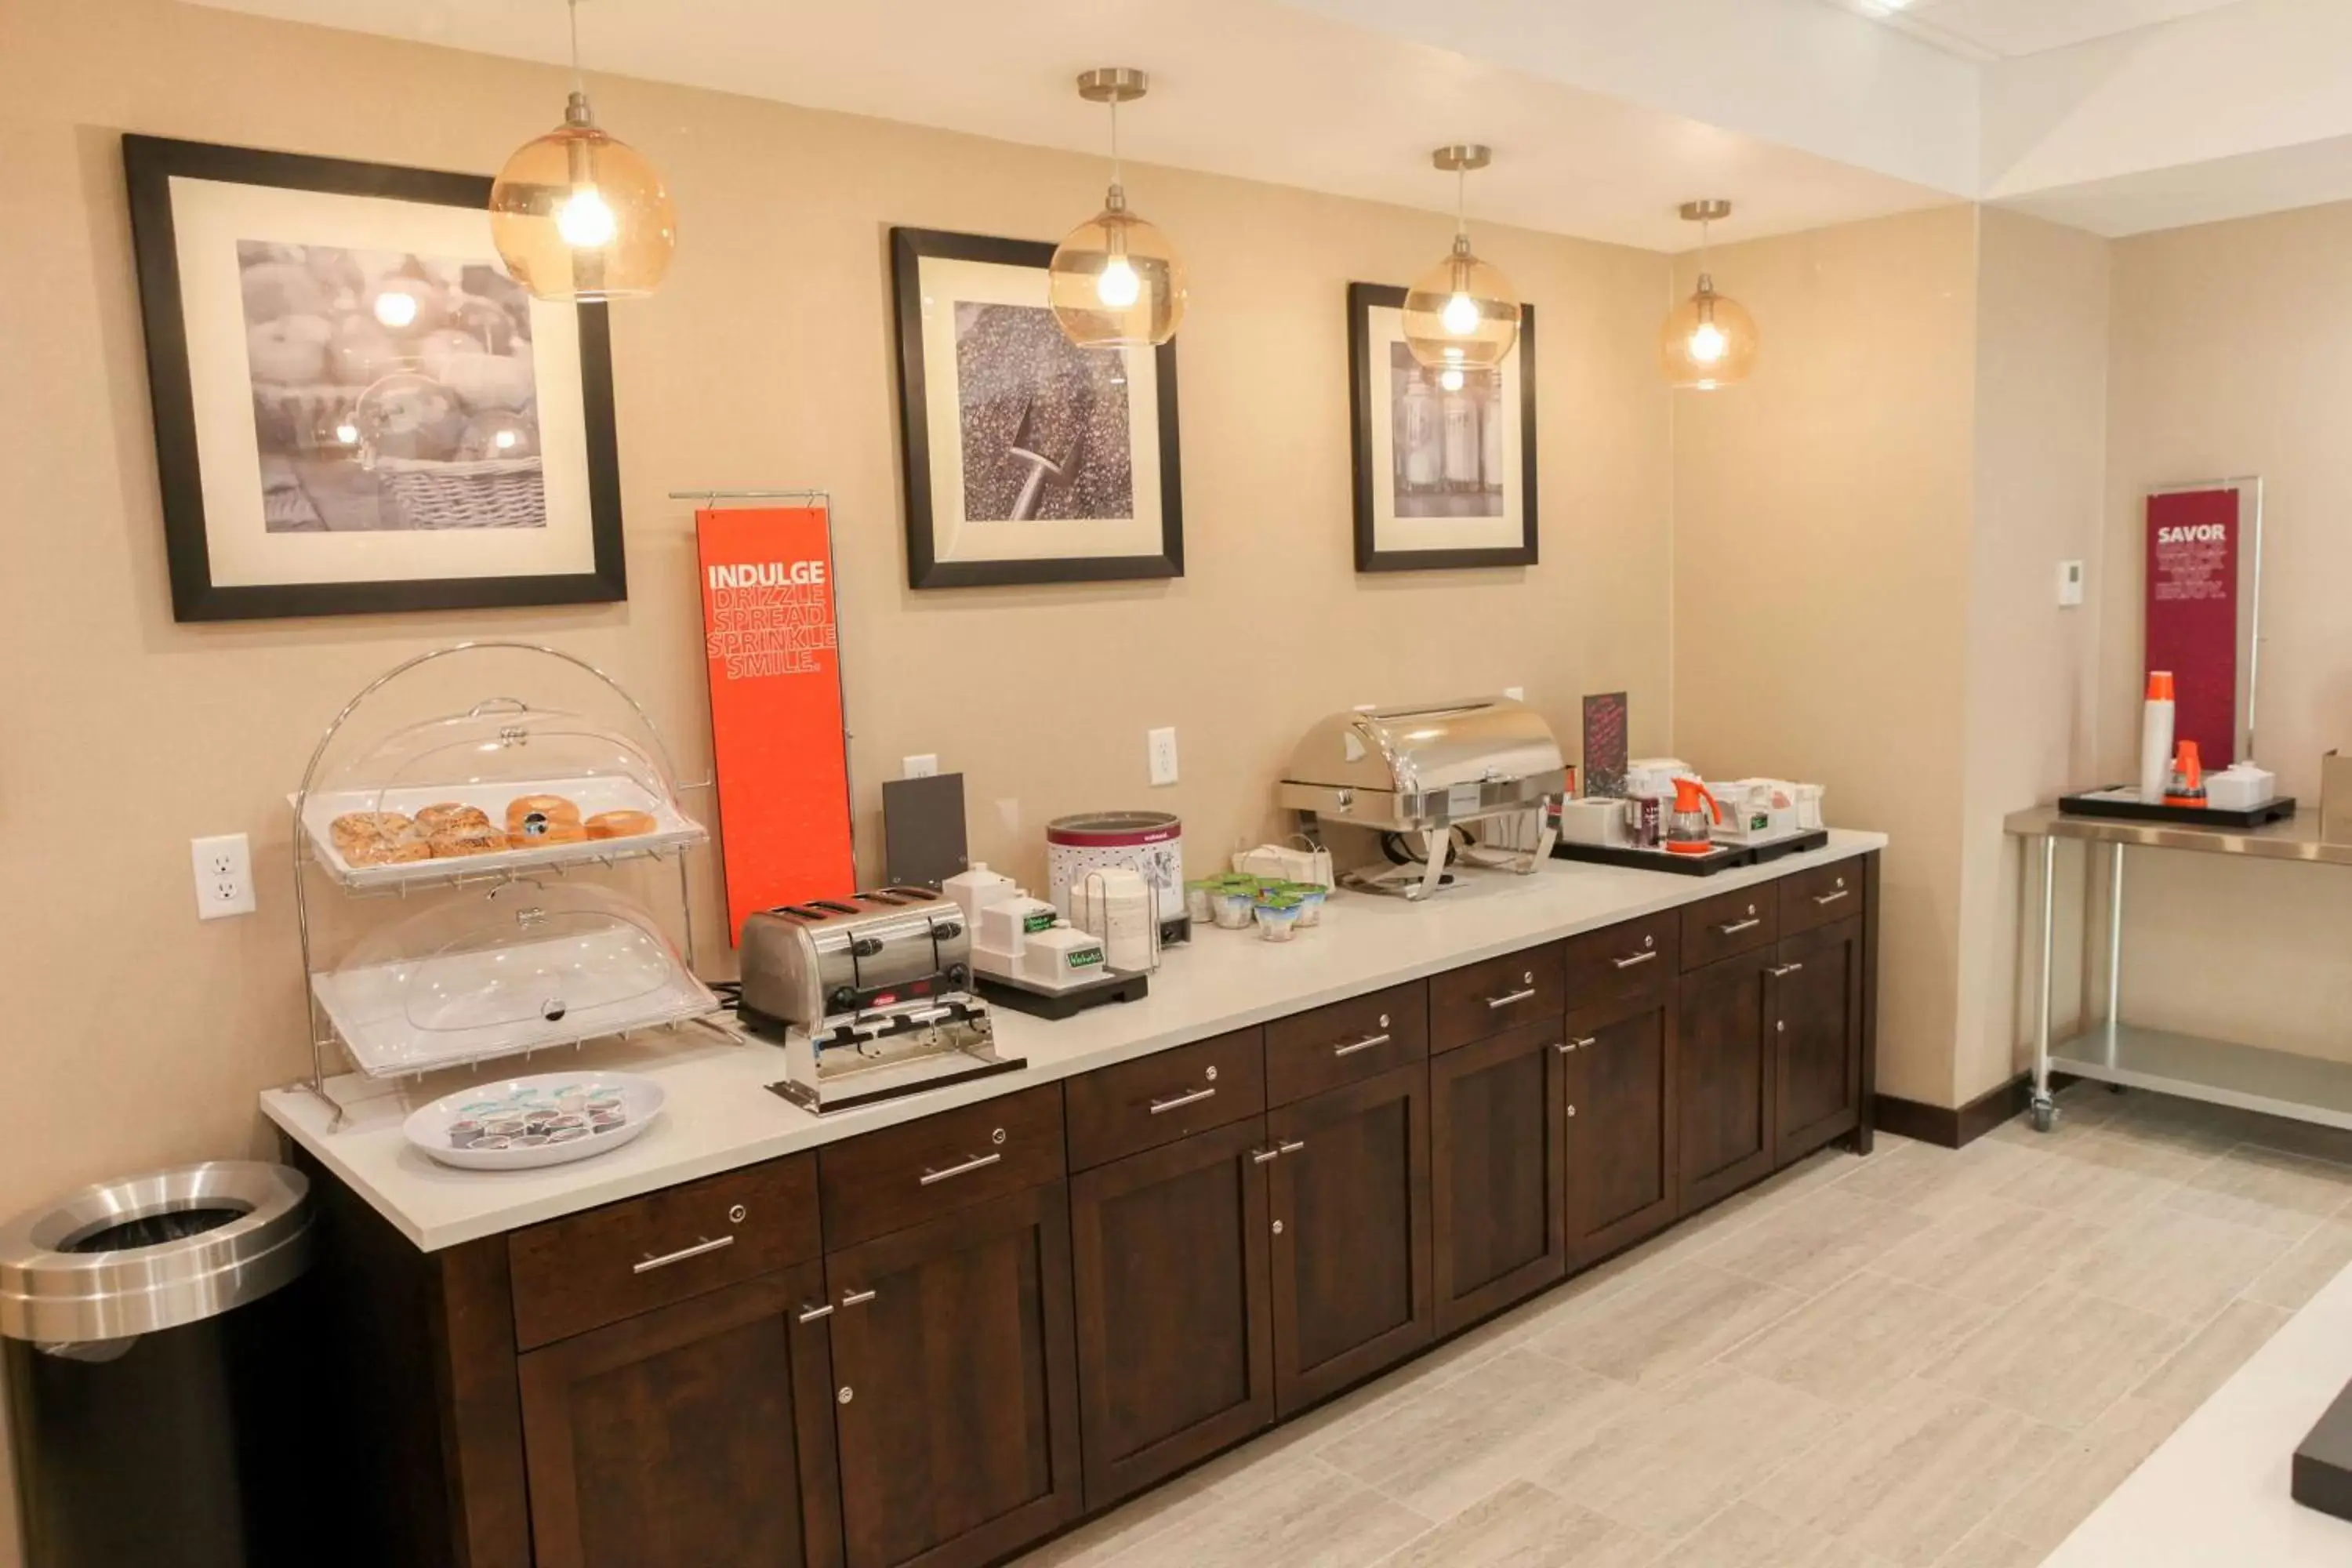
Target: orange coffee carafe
<point>1689,828</point>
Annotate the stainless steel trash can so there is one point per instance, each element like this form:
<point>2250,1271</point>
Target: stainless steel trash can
<point>161,1371</point>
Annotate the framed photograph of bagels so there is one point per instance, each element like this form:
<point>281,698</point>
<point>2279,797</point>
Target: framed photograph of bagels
<point>1028,459</point>
<point>356,408</point>
<point>1445,463</point>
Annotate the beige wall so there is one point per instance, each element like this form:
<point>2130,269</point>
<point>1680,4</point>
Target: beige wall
<point>2041,456</point>
<point>765,361</point>
<point>1821,546</point>
<point>2229,358</point>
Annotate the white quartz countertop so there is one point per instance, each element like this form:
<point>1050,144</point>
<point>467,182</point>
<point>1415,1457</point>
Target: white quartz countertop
<point>721,1115</point>
<point>2216,1491</point>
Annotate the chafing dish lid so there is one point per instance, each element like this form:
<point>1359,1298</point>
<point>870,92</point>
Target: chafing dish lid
<point>1410,750</point>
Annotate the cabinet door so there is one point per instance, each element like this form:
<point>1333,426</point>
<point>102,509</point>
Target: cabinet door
<point>1817,1037</point>
<point>1497,1172</point>
<point>1175,1311</point>
<point>1724,1078</point>
<point>1621,1137</point>
<point>697,1434</point>
<point>1351,1254</point>
<point>957,1406</point>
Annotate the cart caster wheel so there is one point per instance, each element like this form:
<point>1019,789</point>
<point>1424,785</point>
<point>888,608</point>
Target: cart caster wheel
<point>2044,1117</point>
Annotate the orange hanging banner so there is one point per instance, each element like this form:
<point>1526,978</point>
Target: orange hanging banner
<point>776,722</point>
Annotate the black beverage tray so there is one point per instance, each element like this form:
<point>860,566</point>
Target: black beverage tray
<point>1722,858</point>
<point>2096,803</point>
<point>2321,1476</point>
<point>1063,1004</point>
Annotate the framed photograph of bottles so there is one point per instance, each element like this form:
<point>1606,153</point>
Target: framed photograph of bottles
<point>1445,462</point>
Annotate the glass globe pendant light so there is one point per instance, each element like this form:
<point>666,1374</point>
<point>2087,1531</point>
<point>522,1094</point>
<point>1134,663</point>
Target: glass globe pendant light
<point>1709,340</point>
<point>1463,314</point>
<point>1116,282</point>
<point>579,217</point>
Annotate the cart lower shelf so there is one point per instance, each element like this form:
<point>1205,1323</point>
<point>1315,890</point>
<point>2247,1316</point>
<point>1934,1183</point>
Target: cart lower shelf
<point>2219,1072</point>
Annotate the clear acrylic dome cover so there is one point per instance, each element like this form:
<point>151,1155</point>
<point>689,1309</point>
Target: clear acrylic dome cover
<point>500,749</point>
<point>525,965</point>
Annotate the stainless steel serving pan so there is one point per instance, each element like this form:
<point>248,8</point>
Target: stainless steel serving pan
<point>1408,769</point>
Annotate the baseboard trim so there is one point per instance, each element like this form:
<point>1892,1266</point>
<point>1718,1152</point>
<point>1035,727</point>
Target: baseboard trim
<point>1950,1128</point>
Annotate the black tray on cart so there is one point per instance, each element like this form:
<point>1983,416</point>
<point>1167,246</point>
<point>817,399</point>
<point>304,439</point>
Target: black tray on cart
<point>2122,803</point>
<point>1722,858</point>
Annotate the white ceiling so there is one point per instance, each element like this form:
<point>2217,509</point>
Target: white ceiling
<point>2114,115</point>
<point>2009,29</point>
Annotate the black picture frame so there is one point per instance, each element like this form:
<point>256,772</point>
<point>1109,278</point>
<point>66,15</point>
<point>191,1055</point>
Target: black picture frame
<point>149,164</point>
<point>909,247</point>
<point>1363,408</point>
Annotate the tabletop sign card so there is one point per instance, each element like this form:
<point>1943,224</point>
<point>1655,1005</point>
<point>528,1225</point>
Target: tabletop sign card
<point>2193,544</point>
<point>776,725</point>
<point>1604,744</point>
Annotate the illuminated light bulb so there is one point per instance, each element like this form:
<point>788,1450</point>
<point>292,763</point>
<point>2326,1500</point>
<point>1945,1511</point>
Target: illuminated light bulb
<point>1461,315</point>
<point>396,308</point>
<point>504,439</point>
<point>1707,343</point>
<point>585,222</point>
<point>1450,378</point>
<point>1117,285</point>
<point>348,433</point>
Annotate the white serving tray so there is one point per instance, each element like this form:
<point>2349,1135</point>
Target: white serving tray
<point>673,829</point>
<point>368,1007</point>
<point>533,1101</point>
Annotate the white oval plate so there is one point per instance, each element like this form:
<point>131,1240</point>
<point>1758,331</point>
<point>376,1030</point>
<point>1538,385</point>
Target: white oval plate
<point>557,1114</point>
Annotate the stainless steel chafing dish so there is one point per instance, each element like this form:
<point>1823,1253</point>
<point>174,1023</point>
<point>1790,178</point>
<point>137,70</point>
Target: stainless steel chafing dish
<point>1428,770</point>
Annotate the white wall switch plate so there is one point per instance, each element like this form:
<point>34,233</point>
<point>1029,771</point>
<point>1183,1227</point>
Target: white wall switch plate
<point>924,766</point>
<point>223,868</point>
<point>2070,584</point>
<point>1515,694</point>
<point>1162,745</point>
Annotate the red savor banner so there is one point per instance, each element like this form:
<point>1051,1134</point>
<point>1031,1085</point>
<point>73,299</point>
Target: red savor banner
<point>2192,615</point>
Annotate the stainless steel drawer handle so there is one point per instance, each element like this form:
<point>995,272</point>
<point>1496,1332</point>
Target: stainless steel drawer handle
<point>974,1163</point>
<point>1514,997</point>
<point>1733,928</point>
<point>1781,969</point>
<point>1194,1097</point>
<point>857,1298</point>
<point>1290,1145</point>
<point>1264,1156</point>
<point>811,1315</point>
<point>682,1254</point>
<point>1631,959</point>
<point>1366,1043</point>
<point>1830,897</point>
<point>1585,1044</point>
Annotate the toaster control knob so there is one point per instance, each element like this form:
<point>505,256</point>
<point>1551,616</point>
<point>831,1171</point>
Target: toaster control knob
<point>947,931</point>
<point>865,947</point>
<point>844,999</point>
<point>958,976</point>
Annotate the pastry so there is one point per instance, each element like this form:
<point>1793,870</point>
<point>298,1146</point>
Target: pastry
<point>620,824</point>
<point>377,839</point>
<point>466,839</point>
<point>533,820</point>
<point>442,816</point>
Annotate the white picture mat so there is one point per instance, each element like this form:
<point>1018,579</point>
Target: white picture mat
<point>208,218</point>
<point>947,281</point>
<point>1385,327</point>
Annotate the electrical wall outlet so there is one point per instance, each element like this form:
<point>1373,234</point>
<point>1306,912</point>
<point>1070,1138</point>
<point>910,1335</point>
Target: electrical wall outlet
<point>2070,584</point>
<point>223,868</point>
<point>924,766</point>
<point>1162,746</point>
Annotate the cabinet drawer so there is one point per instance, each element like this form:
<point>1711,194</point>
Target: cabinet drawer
<point>587,1270</point>
<point>1729,922</point>
<point>1158,1098</point>
<point>1627,963</point>
<point>1818,896</point>
<point>1481,1000</point>
<point>1346,1043</point>
<point>890,1180</point>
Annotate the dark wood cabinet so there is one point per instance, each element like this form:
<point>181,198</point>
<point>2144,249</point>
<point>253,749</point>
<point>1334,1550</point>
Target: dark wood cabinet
<point>1724,1078</point>
<point>688,1436</point>
<point>1352,1291</point>
<point>1817,993</point>
<point>1172,1255</point>
<point>1499,1182</point>
<point>1622,1138</point>
<point>956,1405</point>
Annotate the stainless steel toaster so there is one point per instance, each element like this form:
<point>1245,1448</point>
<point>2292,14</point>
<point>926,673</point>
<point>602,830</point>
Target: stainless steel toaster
<point>805,964</point>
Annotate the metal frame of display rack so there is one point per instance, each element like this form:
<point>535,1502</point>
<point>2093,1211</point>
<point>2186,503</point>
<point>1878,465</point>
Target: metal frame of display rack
<point>426,875</point>
<point>2108,1050</point>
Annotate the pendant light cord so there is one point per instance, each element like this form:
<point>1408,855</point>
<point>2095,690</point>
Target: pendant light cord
<point>1116,178</point>
<point>1460,201</point>
<point>579,82</point>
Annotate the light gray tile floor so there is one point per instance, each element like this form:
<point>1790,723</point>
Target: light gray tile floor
<point>1926,1359</point>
